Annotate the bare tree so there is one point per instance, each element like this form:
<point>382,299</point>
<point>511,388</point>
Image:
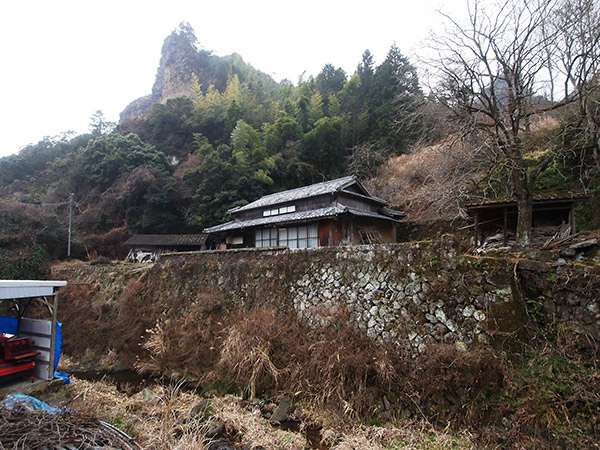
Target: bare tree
<point>495,74</point>
<point>577,27</point>
<point>367,158</point>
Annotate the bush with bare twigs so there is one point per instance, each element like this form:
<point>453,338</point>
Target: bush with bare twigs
<point>456,385</point>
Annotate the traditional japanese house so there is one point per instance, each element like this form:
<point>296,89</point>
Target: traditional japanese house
<point>336,212</point>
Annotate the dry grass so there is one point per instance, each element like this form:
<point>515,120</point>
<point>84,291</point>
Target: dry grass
<point>253,430</point>
<point>156,417</point>
<point>266,350</point>
<point>159,419</point>
<point>405,436</point>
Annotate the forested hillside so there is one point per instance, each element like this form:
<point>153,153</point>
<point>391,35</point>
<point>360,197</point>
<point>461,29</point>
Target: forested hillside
<point>218,133</point>
<point>182,164</point>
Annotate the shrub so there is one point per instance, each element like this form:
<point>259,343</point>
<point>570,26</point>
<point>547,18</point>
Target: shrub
<point>457,385</point>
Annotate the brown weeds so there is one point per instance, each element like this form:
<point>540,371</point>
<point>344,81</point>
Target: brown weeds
<point>260,348</point>
<point>456,385</point>
<point>335,366</point>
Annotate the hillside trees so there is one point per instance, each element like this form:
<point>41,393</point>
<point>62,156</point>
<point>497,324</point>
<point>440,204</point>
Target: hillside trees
<point>105,158</point>
<point>169,127</point>
<point>29,235</point>
<point>323,147</point>
<point>99,124</point>
<point>494,71</point>
<point>238,136</point>
<point>36,157</point>
<point>394,93</point>
<point>228,175</point>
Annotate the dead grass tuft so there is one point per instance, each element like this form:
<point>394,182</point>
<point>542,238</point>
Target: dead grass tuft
<point>260,348</point>
<point>345,367</point>
<point>336,366</point>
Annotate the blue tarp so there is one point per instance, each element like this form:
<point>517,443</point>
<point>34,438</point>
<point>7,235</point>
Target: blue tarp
<point>9,325</point>
<point>21,402</point>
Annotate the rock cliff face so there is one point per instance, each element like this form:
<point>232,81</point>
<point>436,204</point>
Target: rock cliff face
<point>179,60</point>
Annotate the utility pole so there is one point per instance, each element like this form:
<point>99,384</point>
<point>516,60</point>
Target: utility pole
<point>70,217</point>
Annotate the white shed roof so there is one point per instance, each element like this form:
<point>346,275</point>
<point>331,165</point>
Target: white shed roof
<point>10,289</point>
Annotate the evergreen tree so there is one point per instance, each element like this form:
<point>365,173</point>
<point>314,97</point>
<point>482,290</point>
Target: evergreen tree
<point>393,94</point>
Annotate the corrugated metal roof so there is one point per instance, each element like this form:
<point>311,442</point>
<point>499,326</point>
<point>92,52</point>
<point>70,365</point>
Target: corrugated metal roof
<point>312,190</point>
<point>166,240</point>
<point>301,216</point>
<point>10,289</point>
<point>537,199</point>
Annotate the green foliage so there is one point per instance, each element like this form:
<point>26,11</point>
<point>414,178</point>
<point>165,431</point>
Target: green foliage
<point>587,213</point>
<point>170,126</point>
<point>99,124</point>
<point>323,147</point>
<point>227,177</point>
<point>25,225</point>
<point>393,96</point>
<point>315,111</point>
<point>330,80</point>
<point>28,236</point>
<point>107,157</point>
<point>37,157</point>
<point>23,264</point>
<point>284,130</point>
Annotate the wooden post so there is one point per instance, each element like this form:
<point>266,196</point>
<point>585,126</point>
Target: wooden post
<point>53,336</point>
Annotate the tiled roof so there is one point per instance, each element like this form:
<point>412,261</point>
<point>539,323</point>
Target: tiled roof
<point>300,216</point>
<point>164,240</point>
<point>313,190</point>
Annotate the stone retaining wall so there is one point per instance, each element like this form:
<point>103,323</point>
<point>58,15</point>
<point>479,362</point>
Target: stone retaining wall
<point>412,294</point>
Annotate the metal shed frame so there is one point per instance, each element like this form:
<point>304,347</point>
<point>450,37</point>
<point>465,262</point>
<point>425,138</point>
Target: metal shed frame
<point>22,292</point>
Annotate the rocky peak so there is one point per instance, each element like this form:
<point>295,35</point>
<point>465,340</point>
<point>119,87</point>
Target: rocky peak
<point>180,58</point>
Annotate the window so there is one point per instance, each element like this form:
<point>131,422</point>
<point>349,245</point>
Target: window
<point>287,209</point>
<point>277,211</point>
<point>299,237</point>
<point>265,238</point>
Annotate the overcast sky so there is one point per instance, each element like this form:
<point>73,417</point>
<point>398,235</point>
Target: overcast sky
<point>63,59</point>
